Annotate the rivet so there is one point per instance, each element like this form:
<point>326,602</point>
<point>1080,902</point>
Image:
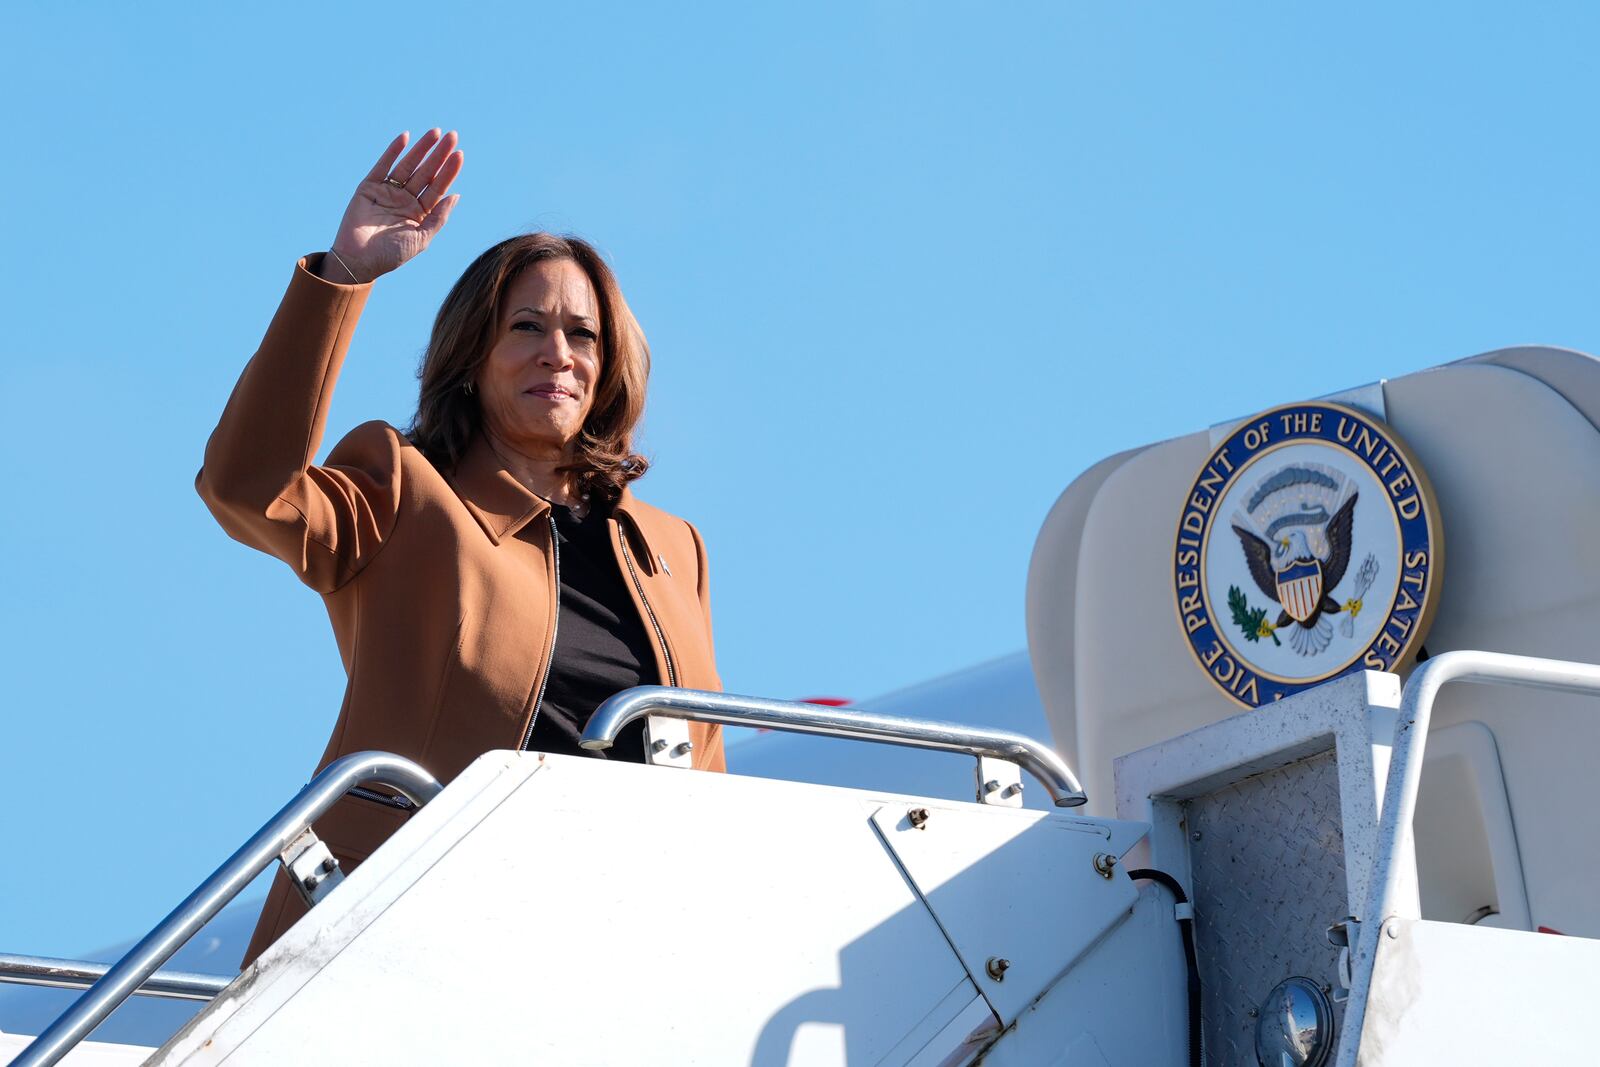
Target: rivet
<point>1392,931</point>
<point>997,968</point>
<point>918,817</point>
<point>1104,863</point>
<point>1195,836</point>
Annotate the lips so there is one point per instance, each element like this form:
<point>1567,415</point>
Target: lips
<point>551,392</point>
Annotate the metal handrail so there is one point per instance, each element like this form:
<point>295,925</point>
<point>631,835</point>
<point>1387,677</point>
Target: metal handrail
<point>81,974</point>
<point>699,705</point>
<point>141,961</point>
<point>1405,775</point>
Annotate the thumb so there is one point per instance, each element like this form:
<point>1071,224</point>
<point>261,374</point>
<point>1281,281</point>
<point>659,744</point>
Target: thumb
<point>435,219</point>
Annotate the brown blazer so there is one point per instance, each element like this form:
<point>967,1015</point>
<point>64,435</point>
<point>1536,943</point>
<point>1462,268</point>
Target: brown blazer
<point>438,584</point>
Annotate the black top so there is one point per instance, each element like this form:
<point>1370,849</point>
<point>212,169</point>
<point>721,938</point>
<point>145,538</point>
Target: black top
<point>602,646</point>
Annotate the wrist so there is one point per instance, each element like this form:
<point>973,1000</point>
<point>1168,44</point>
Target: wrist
<point>342,268</point>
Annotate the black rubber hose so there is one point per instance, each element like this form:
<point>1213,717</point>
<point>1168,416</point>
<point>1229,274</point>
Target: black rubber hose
<point>1186,926</point>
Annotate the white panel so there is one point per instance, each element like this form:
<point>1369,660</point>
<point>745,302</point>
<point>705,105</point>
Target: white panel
<point>1446,994</point>
<point>1014,885</point>
<point>1466,844</point>
<point>1124,1004</point>
<point>600,913</point>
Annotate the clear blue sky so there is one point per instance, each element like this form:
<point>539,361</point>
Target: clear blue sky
<point>906,268</point>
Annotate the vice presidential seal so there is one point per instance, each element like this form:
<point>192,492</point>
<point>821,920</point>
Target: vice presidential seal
<point>1308,547</point>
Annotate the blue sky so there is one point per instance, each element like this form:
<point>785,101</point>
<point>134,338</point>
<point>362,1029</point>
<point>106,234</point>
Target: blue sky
<point>906,269</point>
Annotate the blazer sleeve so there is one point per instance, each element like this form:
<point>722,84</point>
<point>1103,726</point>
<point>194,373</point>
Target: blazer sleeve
<point>326,522</point>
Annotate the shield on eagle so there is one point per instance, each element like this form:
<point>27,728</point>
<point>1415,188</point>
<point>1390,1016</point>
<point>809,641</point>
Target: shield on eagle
<point>1300,588</point>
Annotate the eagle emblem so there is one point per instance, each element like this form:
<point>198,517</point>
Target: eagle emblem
<point>1296,578</point>
<point>1295,506</point>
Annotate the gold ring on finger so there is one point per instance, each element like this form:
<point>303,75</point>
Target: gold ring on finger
<point>396,182</point>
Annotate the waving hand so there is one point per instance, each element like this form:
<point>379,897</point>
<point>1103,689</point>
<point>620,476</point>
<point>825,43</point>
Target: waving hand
<point>397,208</point>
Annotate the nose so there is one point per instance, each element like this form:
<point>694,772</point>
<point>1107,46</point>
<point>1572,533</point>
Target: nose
<point>555,353</point>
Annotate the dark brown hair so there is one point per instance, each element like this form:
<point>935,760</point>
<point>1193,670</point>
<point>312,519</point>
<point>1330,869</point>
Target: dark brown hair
<point>448,417</point>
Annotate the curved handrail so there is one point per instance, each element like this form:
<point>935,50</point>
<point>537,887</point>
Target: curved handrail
<point>1405,775</point>
<point>700,705</point>
<point>258,853</point>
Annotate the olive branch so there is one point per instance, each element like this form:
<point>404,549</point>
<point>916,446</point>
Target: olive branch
<point>1253,621</point>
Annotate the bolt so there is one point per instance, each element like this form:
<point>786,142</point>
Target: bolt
<point>918,817</point>
<point>309,881</point>
<point>997,968</point>
<point>1253,1012</point>
<point>1195,836</point>
<point>683,750</point>
<point>991,785</point>
<point>1104,863</point>
<point>329,864</point>
<point>658,745</point>
<point>1014,789</point>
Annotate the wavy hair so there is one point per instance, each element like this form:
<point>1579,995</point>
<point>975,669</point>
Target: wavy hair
<point>448,417</point>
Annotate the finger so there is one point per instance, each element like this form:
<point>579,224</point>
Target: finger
<point>385,161</point>
<point>424,174</point>
<point>402,170</point>
<point>441,181</point>
<point>439,216</point>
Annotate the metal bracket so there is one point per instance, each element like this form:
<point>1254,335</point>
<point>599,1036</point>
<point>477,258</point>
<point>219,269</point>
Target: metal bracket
<point>666,742</point>
<point>310,866</point>
<point>999,782</point>
<point>1343,935</point>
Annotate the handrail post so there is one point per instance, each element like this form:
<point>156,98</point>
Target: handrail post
<point>703,706</point>
<point>141,961</point>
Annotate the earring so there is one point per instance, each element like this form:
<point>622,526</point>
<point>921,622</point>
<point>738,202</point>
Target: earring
<point>467,387</point>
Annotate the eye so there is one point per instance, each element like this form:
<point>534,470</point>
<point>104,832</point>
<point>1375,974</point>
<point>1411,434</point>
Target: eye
<point>527,324</point>
<point>584,331</point>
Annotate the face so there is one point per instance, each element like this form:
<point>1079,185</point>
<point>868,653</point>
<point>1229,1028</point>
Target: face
<point>538,383</point>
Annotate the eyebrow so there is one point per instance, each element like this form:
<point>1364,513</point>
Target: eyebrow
<point>537,311</point>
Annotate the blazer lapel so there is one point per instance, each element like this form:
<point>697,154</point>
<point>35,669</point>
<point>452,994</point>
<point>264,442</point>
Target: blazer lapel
<point>501,504</point>
<point>633,529</point>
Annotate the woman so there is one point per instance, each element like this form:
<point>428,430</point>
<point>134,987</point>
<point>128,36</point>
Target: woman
<point>489,575</point>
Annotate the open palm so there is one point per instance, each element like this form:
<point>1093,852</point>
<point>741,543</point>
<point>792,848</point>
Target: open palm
<point>399,205</point>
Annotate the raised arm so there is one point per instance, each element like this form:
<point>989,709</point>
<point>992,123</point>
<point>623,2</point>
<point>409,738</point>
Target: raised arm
<point>258,478</point>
